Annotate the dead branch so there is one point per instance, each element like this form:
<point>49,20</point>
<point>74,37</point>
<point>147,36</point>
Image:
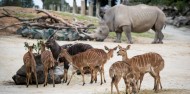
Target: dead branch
<point>54,17</point>
<point>7,14</point>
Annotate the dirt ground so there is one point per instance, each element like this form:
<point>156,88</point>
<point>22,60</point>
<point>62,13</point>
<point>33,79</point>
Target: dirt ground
<point>174,77</point>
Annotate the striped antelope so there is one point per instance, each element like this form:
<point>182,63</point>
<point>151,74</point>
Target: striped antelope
<point>81,60</point>
<point>104,56</point>
<point>30,64</point>
<point>151,63</point>
<point>122,69</point>
<point>48,62</point>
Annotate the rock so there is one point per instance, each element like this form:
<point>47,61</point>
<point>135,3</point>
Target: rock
<point>20,77</point>
<point>178,21</point>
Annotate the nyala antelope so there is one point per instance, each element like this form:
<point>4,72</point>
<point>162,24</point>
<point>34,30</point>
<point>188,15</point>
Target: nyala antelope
<point>104,56</point>
<point>30,64</point>
<point>48,62</point>
<point>151,63</point>
<point>84,59</point>
<point>122,69</point>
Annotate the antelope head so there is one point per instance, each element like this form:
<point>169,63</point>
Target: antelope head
<point>123,51</point>
<point>110,51</point>
<point>30,47</point>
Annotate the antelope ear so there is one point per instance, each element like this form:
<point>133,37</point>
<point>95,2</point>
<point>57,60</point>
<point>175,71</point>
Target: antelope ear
<point>33,46</point>
<point>119,46</point>
<point>106,47</point>
<point>115,48</point>
<point>26,44</point>
<point>128,47</point>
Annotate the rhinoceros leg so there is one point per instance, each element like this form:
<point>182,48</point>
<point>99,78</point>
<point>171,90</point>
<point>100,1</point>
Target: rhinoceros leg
<point>127,30</point>
<point>160,37</point>
<point>118,37</point>
<point>155,38</point>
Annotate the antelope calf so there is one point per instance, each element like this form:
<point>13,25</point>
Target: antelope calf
<point>84,59</point>
<point>104,56</point>
<point>122,69</point>
<point>151,63</point>
<point>48,62</point>
<point>30,64</point>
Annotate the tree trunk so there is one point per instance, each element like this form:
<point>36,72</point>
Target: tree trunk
<point>125,2</point>
<point>97,7</point>
<point>109,2</point>
<point>91,6</point>
<point>75,7</point>
<point>83,8</point>
<point>62,5</point>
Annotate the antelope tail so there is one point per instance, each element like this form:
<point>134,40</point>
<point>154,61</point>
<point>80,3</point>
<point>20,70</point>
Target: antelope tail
<point>161,67</point>
<point>112,73</point>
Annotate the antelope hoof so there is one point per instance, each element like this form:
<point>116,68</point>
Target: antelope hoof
<point>68,83</point>
<point>37,86</point>
<point>104,81</point>
<point>101,83</point>
<point>83,84</point>
<point>156,91</point>
<point>27,86</point>
<point>91,82</point>
<point>44,85</point>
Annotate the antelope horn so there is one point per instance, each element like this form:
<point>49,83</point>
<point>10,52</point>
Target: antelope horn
<point>52,34</point>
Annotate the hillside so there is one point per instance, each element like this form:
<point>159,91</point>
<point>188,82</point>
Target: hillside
<point>29,13</point>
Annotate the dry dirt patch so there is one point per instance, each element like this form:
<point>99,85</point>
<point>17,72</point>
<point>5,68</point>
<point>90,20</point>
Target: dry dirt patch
<point>175,76</point>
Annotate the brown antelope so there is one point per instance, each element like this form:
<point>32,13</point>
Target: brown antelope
<point>30,64</point>
<point>122,69</point>
<point>104,56</point>
<point>151,63</point>
<point>48,62</point>
<point>81,60</point>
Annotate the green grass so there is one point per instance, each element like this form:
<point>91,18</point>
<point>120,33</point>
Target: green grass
<point>89,19</point>
<point>25,15</point>
<point>112,35</point>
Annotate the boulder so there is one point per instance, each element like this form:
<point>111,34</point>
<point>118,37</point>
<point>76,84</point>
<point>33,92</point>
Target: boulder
<point>20,76</point>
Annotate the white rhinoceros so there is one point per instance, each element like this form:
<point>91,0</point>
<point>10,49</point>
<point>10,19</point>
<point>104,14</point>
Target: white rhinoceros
<point>138,18</point>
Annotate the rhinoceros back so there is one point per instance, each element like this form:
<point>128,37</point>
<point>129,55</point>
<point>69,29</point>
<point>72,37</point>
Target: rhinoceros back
<point>143,17</point>
<point>140,17</point>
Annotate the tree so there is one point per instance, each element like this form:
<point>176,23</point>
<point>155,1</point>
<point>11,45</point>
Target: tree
<point>83,7</point>
<point>91,6</point>
<point>52,4</point>
<point>75,8</point>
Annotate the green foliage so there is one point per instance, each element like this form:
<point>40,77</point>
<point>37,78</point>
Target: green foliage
<point>47,3</point>
<point>21,3</point>
<point>180,4</point>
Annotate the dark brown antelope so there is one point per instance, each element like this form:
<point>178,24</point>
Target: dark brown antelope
<point>48,62</point>
<point>151,63</point>
<point>30,64</point>
<point>104,56</point>
<point>84,59</point>
<point>72,50</point>
<point>122,69</point>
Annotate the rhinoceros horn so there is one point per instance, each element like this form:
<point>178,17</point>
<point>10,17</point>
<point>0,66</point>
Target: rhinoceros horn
<point>92,36</point>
